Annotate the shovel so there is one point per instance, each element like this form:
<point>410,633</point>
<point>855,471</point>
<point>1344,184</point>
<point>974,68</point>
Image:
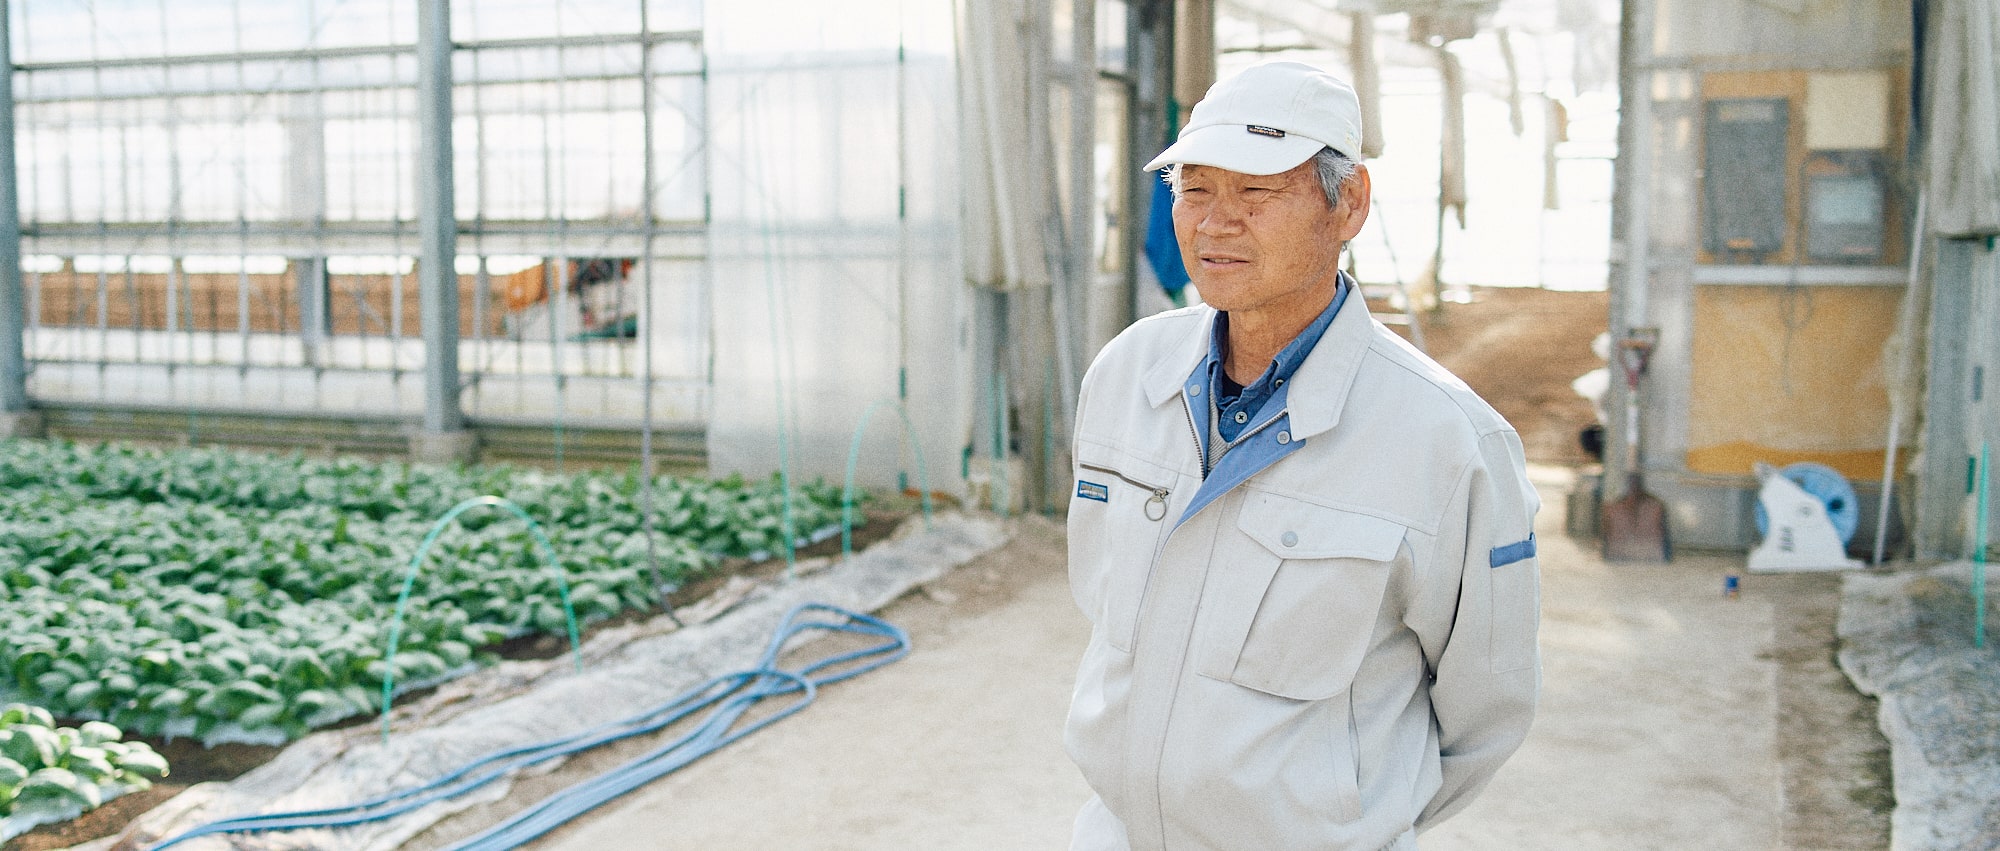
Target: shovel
<point>1635,525</point>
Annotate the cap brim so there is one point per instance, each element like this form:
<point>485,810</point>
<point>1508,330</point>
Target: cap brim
<point>1234,148</point>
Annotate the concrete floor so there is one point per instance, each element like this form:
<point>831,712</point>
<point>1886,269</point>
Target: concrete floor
<point>1658,724</point>
<point>958,746</point>
<point>1659,727</point>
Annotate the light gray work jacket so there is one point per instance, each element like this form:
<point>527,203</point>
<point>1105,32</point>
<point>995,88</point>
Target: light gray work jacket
<point>1328,641</point>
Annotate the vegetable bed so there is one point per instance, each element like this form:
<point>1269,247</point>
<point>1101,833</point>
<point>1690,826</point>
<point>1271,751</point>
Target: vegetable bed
<point>50,773</point>
<point>232,596</point>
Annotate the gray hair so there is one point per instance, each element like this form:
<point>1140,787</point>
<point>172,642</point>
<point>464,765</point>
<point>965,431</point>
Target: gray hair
<point>1333,167</point>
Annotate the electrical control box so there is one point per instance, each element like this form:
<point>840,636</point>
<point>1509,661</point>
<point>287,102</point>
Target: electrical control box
<point>1844,206</point>
<point>1744,171</point>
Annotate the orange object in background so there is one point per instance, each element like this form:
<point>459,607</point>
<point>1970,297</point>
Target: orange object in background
<point>525,288</point>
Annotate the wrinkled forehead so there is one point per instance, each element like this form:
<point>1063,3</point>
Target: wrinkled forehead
<point>1217,174</point>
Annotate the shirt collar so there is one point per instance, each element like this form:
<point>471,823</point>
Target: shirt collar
<point>1289,357</point>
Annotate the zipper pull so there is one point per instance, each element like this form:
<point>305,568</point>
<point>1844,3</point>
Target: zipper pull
<point>1159,499</point>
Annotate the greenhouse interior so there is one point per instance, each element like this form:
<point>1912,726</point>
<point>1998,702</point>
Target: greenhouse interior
<point>432,423</point>
<point>382,378</point>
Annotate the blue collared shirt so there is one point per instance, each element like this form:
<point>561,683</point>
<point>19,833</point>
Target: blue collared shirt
<point>1237,407</point>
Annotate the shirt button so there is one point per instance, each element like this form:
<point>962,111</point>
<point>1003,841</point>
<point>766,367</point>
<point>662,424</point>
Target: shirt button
<point>1284,437</point>
<point>1290,539</point>
<point>1280,383</point>
<point>1194,390</point>
<point>1242,416</point>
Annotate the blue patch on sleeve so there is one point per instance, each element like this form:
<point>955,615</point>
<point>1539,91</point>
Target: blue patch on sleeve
<point>1092,490</point>
<point>1517,551</point>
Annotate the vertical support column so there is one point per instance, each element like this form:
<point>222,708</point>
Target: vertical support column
<point>305,200</point>
<point>1082,188</point>
<point>993,475</point>
<point>1630,233</point>
<point>1149,39</point>
<point>314,317</point>
<point>17,418</point>
<point>1944,468</point>
<point>444,437</point>
<point>1034,315</point>
<point>1194,55</point>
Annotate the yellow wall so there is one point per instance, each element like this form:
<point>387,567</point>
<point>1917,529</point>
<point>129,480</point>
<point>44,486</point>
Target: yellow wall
<point>1790,374</point>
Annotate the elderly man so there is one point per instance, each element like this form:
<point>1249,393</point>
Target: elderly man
<point>1306,549</point>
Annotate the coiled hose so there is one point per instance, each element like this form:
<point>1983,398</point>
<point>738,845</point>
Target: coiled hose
<point>726,698</point>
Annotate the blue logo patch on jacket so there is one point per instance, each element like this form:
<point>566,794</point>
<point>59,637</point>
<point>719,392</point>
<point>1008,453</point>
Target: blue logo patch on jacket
<point>1517,551</point>
<point>1092,490</point>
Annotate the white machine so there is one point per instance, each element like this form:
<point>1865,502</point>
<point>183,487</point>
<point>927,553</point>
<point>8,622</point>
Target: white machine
<point>1800,535</point>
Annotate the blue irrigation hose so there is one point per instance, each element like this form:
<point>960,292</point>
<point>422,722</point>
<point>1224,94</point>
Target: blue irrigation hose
<point>727,698</point>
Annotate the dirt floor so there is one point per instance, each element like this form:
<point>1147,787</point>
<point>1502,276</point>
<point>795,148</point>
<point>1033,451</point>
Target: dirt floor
<point>1520,348</point>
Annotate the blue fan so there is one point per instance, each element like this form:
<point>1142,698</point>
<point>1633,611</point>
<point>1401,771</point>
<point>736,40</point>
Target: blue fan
<point>1829,487</point>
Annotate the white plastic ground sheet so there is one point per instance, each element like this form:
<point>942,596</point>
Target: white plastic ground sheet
<point>1907,638</point>
<point>626,670</point>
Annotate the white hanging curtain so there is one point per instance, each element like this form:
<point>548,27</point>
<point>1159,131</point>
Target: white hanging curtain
<point>1964,119</point>
<point>1005,200</point>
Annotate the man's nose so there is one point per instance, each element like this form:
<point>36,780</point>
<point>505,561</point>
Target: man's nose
<point>1224,215</point>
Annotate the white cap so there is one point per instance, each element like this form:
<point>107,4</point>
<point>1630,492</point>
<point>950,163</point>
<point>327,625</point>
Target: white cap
<point>1268,119</point>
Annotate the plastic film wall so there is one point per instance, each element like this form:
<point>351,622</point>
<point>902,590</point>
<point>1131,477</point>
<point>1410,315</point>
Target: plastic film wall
<point>832,244</point>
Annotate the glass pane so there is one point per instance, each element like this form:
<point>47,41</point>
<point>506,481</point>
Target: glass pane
<point>1111,36</point>
<point>1112,175</point>
<point>672,15</point>
<point>1062,29</point>
<point>680,185</point>
<point>677,57</point>
<point>351,23</point>
<point>487,20</point>
<point>369,168</point>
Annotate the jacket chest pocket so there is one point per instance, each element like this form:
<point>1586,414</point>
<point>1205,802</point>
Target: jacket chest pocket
<point>1117,519</point>
<point>1290,610</point>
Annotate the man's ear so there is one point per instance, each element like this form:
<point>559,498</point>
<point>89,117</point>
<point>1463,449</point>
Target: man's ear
<point>1352,211</point>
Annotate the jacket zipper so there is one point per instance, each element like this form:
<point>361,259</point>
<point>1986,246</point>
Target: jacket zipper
<point>1194,431</point>
<point>1159,493</point>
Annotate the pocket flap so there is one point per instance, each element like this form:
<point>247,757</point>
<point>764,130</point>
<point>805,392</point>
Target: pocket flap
<point>1293,529</point>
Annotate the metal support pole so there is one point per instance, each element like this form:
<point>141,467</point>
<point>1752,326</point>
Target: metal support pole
<point>1149,35</point>
<point>1630,231</point>
<point>1194,54</point>
<point>16,418</point>
<point>444,437</point>
<point>315,323</point>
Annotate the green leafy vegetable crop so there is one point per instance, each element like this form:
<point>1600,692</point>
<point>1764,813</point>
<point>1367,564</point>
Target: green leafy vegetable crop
<point>50,773</point>
<point>221,594</point>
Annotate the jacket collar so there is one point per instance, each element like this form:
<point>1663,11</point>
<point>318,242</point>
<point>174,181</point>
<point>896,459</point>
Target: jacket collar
<point>1320,385</point>
<point>1163,381</point>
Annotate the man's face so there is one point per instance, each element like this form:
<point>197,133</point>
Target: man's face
<point>1265,242</point>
